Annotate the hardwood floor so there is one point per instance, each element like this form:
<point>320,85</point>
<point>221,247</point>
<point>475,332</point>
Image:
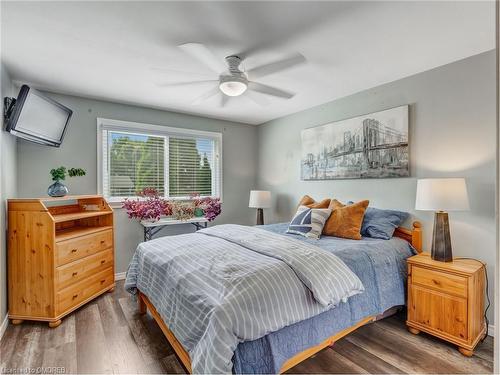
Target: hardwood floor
<point>109,336</point>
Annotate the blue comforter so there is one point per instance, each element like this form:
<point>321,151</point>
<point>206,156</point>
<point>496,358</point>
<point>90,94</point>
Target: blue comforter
<point>381,266</point>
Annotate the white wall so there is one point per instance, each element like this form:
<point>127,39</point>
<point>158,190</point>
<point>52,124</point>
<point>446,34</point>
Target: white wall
<point>452,133</point>
<point>8,188</point>
<point>79,149</point>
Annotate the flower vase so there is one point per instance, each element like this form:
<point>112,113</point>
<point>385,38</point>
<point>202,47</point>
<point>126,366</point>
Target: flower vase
<point>57,189</point>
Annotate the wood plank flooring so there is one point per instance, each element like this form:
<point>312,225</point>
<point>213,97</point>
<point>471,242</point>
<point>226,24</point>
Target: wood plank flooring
<point>109,336</point>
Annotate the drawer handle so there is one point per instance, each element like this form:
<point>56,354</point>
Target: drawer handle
<point>75,273</point>
<point>75,296</point>
<point>103,261</point>
<point>436,282</point>
<point>103,242</point>
<point>103,281</point>
<point>74,250</point>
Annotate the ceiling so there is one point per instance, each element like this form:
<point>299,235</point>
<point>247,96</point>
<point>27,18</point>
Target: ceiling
<point>111,50</point>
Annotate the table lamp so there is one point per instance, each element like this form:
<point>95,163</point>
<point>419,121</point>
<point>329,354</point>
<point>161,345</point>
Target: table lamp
<point>260,199</point>
<point>441,195</point>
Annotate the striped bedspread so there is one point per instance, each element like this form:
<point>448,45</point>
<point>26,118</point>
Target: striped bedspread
<point>227,284</point>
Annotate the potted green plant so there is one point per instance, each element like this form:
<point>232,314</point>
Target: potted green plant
<point>58,189</point>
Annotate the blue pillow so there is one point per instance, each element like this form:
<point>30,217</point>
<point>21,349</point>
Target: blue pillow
<point>378,223</point>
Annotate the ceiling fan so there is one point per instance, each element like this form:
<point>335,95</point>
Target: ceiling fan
<point>233,80</point>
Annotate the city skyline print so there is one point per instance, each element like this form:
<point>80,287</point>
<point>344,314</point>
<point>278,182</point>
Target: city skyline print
<point>368,146</point>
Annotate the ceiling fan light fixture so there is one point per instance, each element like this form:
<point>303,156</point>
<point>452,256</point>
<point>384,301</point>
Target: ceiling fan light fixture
<point>234,81</point>
<point>233,88</point>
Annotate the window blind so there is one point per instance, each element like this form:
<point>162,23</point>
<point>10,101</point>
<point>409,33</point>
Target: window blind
<point>175,164</point>
<point>190,167</point>
<point>136,161</point>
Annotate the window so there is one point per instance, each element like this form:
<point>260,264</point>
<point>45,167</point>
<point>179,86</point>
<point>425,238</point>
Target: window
<point>175,162</point>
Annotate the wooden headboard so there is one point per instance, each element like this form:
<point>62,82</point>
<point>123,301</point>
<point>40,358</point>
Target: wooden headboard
<point>413,236</point>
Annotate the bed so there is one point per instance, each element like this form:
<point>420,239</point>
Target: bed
<point>379,264</point>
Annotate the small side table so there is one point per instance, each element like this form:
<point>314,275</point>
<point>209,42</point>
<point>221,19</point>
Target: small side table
<point>152,228</point>
<point>446,299</point>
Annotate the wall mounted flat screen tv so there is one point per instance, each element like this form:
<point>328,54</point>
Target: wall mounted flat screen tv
<point>37,118</point>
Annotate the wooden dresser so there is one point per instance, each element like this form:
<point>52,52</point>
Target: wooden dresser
<point>60,255</point>
<point>446,299</point>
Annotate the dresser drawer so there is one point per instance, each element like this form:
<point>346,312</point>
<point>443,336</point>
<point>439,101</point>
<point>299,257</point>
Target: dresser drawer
<point>78,270</point>
<point>79,292</point>
<point>80,247</point>
<point>444,282</point>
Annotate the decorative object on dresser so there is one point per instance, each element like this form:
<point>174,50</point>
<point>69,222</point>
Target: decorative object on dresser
<point>447,300</point>
<point>60,255</point>
<point>58,189</point>
<point>441,195</point>
<point>260,199</point>
<point>369,146</point>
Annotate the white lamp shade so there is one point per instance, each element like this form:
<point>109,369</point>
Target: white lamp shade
<point>442,194</point>
<point>259,199</point>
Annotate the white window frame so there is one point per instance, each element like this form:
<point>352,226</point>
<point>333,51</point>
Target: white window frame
<point>104,124</point>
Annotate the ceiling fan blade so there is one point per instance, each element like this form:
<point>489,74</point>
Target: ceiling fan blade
<point>223,99</point>
<point>204,55</point>
<point>206,95</point>
<point>276,66</point>
<point>256,98</point>
<point>269,90</point>
<point>175,84</point>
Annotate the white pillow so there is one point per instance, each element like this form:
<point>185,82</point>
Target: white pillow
<point>309,222</point>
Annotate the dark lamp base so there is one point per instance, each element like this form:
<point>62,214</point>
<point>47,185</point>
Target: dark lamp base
<point>441,241</point>
<point>260,216</point>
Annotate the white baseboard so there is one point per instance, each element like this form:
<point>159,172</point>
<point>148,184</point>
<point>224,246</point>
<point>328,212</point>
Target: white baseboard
<point>120,276</point>
<point>491,330</point>
<point>4,325</point>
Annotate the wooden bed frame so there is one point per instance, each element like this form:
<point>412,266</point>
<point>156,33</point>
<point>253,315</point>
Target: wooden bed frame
<point>413,236</point>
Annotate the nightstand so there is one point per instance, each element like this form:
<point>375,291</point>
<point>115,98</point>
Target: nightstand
<point>446,299</point>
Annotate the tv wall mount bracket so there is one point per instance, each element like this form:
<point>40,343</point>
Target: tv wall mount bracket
<point>8,107</point>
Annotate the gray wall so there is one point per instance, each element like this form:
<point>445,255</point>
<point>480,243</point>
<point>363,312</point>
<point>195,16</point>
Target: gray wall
<point>452,133</point>
<point>79,149</point>
<point>8,179</point>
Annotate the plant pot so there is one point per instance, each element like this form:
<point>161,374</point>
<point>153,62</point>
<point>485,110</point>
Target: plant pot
<point>57,189</point>
<point>198,212</point>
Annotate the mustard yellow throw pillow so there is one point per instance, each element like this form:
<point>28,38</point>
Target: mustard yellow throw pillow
<point>311,203</point>
<point>345,221</point>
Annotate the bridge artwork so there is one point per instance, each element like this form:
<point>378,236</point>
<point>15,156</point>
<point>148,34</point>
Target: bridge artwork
<point>368,146</point>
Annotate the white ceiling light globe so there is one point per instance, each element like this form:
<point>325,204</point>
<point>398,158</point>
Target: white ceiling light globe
<point>233,88</point>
